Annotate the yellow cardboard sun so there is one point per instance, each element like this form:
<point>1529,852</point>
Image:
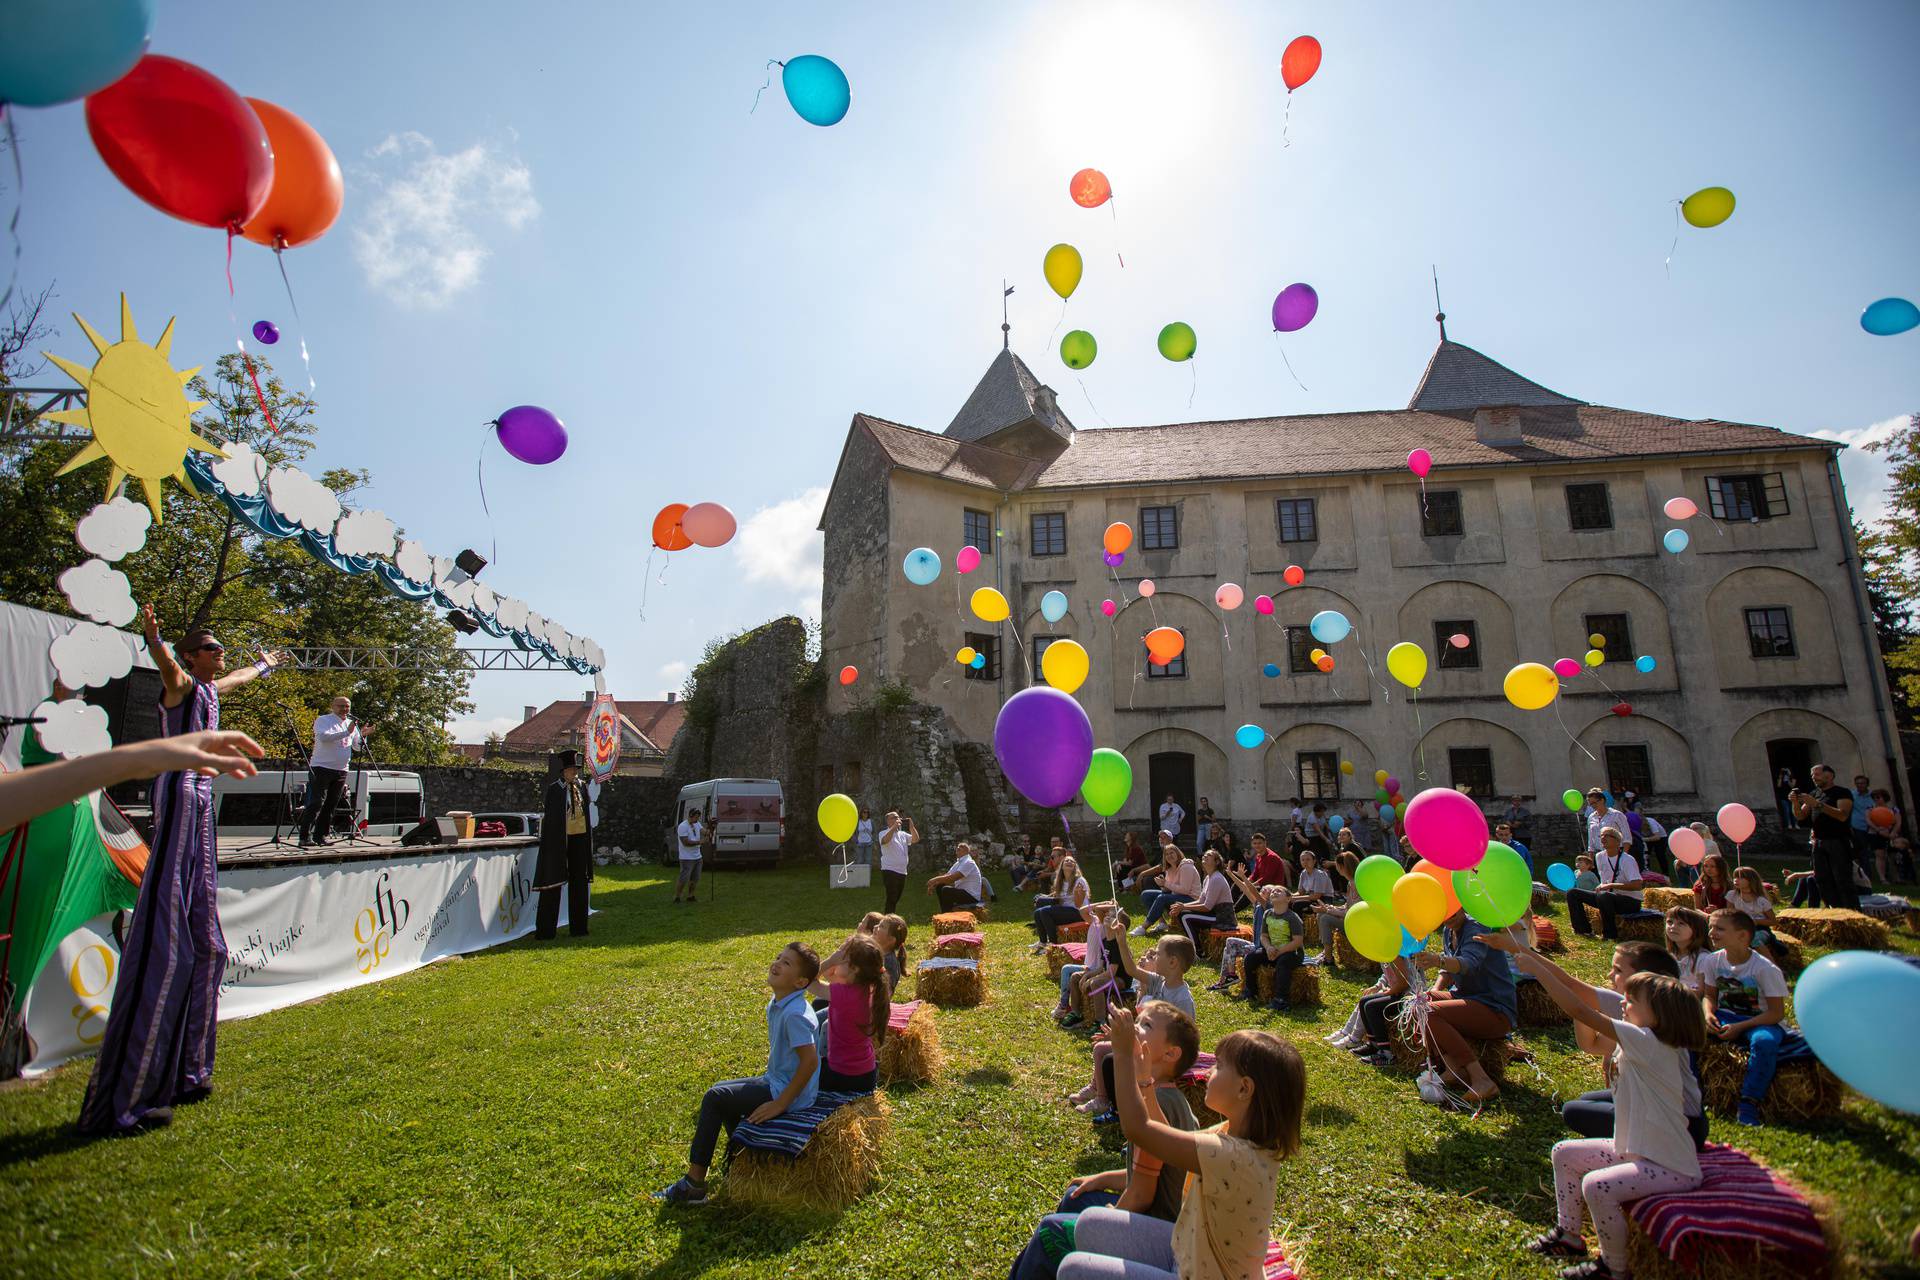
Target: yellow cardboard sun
<point>137,409</point>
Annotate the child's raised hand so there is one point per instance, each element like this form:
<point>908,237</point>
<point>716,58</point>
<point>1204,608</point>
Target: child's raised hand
<point>1501,941</point>
<point>1120,1031</point>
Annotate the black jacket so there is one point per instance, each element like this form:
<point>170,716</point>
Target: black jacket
<point>552,865</point>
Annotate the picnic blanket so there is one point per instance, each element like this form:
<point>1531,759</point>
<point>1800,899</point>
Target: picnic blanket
<point>1739,1199</point>
<point>963,939</point>
<point>948,962</point>
<point>1197,1073</point>
<point>902,1014</point>
<point>789,1132</point>
<point>1276,1267</point>
<point>1076,951</point>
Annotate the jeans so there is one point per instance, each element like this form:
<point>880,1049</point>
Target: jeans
<point>954,898</point>
<point>1591,1116</point>
<point>727,1103</point>
<point>1067,974</point>
<point>1157,901</point>
<point>1113,1245</point>
<point>1282,966</point>
<point>1833,869</point>
<point>1806,892</point>
<point>1610,905</point>
<point>326,788</point>
<point>863,853</point>
<point>1048,917</point>
<point>1763,1059</point>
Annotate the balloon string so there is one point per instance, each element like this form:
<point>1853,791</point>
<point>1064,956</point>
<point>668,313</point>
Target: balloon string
<point>1120,586</point>
<point>665,564</point>
<point>19,202</point>
<point>1386,690</point>
<point>1090,404</point>
<point>1194,390</point>
<point>253,375</point>
<point>1676,239</point>
<point>480,474</point>
<point>645,575</point>
<point>230,268</point>
<point>1290,372</point>
<point>1570,738</point>
<point>1113,207</point>
<point>771,64</point>
<point>1425,512</point>
<point>299,327</point>
<point>1057,323</point>
<point>1286,118</point>
<point>1413,699</point>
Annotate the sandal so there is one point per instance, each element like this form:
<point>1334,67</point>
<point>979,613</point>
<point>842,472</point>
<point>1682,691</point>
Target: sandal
<point>1558,1243</point>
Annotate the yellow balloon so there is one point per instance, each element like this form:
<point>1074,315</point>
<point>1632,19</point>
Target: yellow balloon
<point>1346,767</point>
<point>964,656</point>
<point>1531,686</point>
<point>1596,641</point>
<point>1708,207</point>
<point>1595,657</point>
<point>1420,903</point>
<point>838,815</point>
<point>989,605</point>
<point>1065,665</point>
<point>1316,655</point>
<point>1373,931</point>
<point>1407,663</point>
<point>1062,269</point>
<point>1380,777</point>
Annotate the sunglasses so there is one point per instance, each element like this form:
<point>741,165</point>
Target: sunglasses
<point>209,648</point>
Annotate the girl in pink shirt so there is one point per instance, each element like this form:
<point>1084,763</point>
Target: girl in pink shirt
<point>854,982</point>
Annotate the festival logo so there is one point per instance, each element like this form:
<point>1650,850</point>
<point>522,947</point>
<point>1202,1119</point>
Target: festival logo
<point>514,895</point>
<point>376,926</point>
<point>91,977</point>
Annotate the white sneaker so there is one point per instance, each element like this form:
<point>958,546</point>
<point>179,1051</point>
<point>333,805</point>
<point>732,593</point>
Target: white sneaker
<point>1138,931</point>
<point>1340,1040</point>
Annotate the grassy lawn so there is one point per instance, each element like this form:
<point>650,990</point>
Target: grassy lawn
<point>508,1114</point>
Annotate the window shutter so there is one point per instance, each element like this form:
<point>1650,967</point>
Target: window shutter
<point>1716,501</point>
<point>1775,490</point>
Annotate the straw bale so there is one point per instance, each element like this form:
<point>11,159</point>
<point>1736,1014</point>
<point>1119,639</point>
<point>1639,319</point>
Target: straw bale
<point>1058,958</point>
<point>1632,928</point>
<point>912,1055</point>
<point>1835,927</point>
<point>1666,899</point>
<point>951,986</point>
<point>1537,1008</point>
<point>1803,1090</point>
<point>1726,1258</point>
<point>957,922</point>
<point>1347,956</point>
<point>1216,940</point>
<point>960,947</point>
<point>1302,993</point>
<point>1076,932</point>
<point>834,1170</point>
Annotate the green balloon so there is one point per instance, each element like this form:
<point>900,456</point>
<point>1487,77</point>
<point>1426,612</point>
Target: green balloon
<point>1109,782</point>
<point>1572,800</point>
<point>1374,878</point>
<point>1178,342</point>
<point>1078,349</point>
<point>1380,795</point>
<point>1499,891</point>
<point>1373,930</point>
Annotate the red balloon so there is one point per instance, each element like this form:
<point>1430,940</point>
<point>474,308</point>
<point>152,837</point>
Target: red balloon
<point>1090,189</point>
<point>1294,575</point>
<point>667,533</point>
<point>184,142</point>
<point>305,196</point>
<point>1300,61</point>
<point>849,674</point>
<point>1622,708</point>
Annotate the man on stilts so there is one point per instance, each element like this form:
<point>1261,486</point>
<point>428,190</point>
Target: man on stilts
<point>566,850</point>
<point>158,1048</point>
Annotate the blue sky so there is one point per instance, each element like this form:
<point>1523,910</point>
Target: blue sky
<point>570,205</point>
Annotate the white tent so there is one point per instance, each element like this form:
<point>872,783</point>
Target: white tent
<point>26,673</point>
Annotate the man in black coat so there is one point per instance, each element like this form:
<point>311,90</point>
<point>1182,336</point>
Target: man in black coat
<point>566,850</point>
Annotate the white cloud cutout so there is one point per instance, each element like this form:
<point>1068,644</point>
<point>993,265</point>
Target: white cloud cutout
<point>461,593</point>
<point>300,498</point>
<point>483,598</point>
<point>781,544</point>
<point>73,728</point>
<point>90,655</point>
<point>364,533</point>
<point>99,591</point>
<point>443,568</point>
<point>242,470</point>
<point>114,529</point>
<point>419,239</point>
<point>1863,473</point>
<point>412,559</point>
<point>510,613</point>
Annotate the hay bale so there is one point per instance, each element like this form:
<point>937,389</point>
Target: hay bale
<point>1346,956</point>
<point>1789,952</point>
<point>950,983</point>
<point>1803,1090</point>
<point>961,946</point>
<point>1216,943</point>
<point>1835,927</point>
<point>1728,1258</point>
<point>1547,936</point>
<point>1639,926</point>
<point>1193,1087</point>
<point>1076,932</point>
<point>1666,899</point>
<point>1302,993</point>
<point>1537,1008</point>
<point>1493,1055</point>
<point>957,922</point>
<point>911,1053</point>
<point>1913,919</point>
<point>834,1170</point>
<point>1060,955</point>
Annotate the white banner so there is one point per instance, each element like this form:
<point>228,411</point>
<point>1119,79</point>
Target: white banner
<point>296,932</point>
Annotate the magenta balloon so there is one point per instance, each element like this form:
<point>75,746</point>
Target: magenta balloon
<point>1295,307</point>
<point>1420,462</point>
<point>1566,668</point>
<point>531,434</point>
<point>1109,608</point>
<point>968,560</point>
<point>1447,828</point>
<point>1736,820</point>
<point>1263,605</point>
<point>1044,743</point>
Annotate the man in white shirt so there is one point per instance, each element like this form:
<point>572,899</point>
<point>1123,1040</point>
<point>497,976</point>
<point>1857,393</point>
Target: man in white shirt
<point>335,735</point>
<point>1618,892</point>
<point>959,889</point>
<point>688,836</point>
<point>1171,816</point>
<point>1603,817</point>
<point>900,836</point>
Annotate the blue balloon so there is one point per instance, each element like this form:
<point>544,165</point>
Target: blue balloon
<point>1329,626</point>
<point>1386,814</point>
<point>1410,945</point>
<point>1644,663</point>
<point>1249,736</point>
<point>1889,316</point>
<point>979,661</point>
<point>817,88</point>
<point>1842,1002</point>
<point>921,566</point>
<point>1053,606</point>
<point>60,50</point>
<point>1336,822</point>
<point>1676,540</point>
<point>1560,876</point>
<point>1271,670</point>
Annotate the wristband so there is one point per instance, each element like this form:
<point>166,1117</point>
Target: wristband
<point>263,666</point>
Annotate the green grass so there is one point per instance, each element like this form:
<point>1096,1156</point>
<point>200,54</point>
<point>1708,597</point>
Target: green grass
<point>508,1114</point>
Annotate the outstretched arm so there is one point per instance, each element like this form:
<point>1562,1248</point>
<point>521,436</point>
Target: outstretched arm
<point>1172,1146</point>
<point>269,662</point>
<point>28,794</point>
<point>173,680</point>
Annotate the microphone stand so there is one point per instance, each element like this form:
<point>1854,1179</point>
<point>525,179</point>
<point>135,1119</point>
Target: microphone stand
<point>281,809</point>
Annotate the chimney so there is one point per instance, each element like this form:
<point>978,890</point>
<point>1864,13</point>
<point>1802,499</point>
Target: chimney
<point>528,713</point>
<point>1497,426</point>
<point>671,697</point>
<point>587,697</point>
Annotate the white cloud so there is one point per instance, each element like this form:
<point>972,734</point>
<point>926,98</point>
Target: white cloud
<point>300,498</point>
<point>72,728</point>
<point>477,730</point>
<point>674,674</point>
<point>364,533</point>
<point>99,591</point>
<point>114,529</point>
<point>242,470</point>
<point>412,559</point>
<point>90,655</point>
<point>419,239</point>
<point>781,544</point>
<point>1863,473</point>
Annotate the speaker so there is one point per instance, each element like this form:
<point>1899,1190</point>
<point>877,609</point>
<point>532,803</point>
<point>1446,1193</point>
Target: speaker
<point>427,832</point>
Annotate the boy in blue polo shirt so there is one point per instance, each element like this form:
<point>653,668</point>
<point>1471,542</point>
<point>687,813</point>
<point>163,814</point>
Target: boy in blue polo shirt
<point>791,1080</point>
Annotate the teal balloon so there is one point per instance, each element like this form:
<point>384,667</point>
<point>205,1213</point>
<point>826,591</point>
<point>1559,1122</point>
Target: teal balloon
<point>1249,736</point>
<point>1109,782</point>
<point>1078,349</point>
<point>1329,626</point>
<point>1676,540</point>
<point>1053,606</point>
<point>979,662</point>
<point>921,566</point>
<point>1842,1003</point>
<point>1374,879</point>
<point>1336,822</point>
<point>817,88</point>
<point>1410,945</point>
<point>62,50</point>
<point>1386,814</point>
<point>1271,670</point>
<point>1498,891</point>
<point>1644,663</point>
<point>1889,316</point>
<point>1178,341</point>
<point>1560,876</point>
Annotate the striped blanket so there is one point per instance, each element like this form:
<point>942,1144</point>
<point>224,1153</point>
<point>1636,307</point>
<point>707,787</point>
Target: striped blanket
<point>789,1132</point>
<point>961,939</point>
<point>1076,951</point>
<point>1197,1073</point>
<point>902,1014</point>
<point>1740,1199</point>
<point>948,962</point>
<point>1276,1266</point>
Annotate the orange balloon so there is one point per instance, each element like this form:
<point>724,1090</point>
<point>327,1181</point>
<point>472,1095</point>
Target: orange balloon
<point>667,533</point>
<point>1090,189</point>
<point>1300,61</point>
<point>849,674</point>
<point>305,196</point>
<point>1444,877</point>
<point>1326,662</point>
<point>1118,537</point>
<point>1165,644</point>
<point>1294,575</point>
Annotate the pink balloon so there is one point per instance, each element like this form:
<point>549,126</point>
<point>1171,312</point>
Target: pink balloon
<point>968,560</point>
<point>1459,640</point>
<point>1680,509</point>
<point>1687,845</point>
<point>1420,462</point>
<point>709,524</point>
<point>1109,608</point>
<point>1447,828</point>
<point>1146,588</point>
<point>1263,605</point>
<point>1229,596</point>
<point>1736,820</point>
<point>1566,668</point>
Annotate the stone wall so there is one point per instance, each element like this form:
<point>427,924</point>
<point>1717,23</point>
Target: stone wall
<point>858,568</point>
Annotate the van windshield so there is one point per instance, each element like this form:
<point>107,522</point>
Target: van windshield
<point>747,807</point>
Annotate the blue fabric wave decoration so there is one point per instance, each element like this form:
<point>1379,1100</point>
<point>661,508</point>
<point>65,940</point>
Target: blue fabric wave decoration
<point>258,515</point>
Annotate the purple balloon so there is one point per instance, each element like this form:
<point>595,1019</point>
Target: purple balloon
<point>1044,743</point>
<point>1115,559</point>
<point>265,332</point>
<point>1295,307</point>
<point>531,434</point>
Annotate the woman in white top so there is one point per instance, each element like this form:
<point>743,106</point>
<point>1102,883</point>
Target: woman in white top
<point>1179,883</point>
<point>1067,904</point>
<point>863,839</point>
<point>1212,910</point>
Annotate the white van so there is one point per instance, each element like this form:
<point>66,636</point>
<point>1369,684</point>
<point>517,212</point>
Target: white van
<point>380,802</point>
<point>750,816</point>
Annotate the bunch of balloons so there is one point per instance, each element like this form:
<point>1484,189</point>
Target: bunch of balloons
<point>1459,867</point>
<point>704,524</point>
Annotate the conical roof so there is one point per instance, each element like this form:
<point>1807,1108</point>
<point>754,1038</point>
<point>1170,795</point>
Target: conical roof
<point>1008,395</point>
<point>1458,377</point>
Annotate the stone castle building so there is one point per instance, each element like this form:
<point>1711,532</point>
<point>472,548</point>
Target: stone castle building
<point>1540,525</point>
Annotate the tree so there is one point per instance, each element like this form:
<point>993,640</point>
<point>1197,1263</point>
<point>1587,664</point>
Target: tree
<point>1890,563</point>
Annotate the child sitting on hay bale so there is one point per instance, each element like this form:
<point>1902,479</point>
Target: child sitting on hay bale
<point>1687,931</point>
<point>1365,1034</point>
<point>1101,953</point>
<point>790,1082</point>
<point>853,981</point>
<point>1176,1028</point>
<point>889,933</point>
<point>1750,896</point>
<point>1746,1001</point>
<point>1279,943</point>
<point>1161,974</point>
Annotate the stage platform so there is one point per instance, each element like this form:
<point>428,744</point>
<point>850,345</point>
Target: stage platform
<point>259,851</point>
